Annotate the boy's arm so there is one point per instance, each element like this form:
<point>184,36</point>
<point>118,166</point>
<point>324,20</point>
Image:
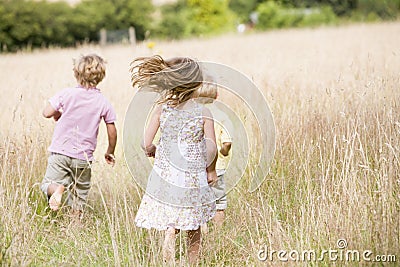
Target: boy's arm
<point>49,112</point>
<point>112,142</point>
<point>225,148</point>
<point>226,139</point>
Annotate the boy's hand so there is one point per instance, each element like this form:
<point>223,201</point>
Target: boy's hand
<point>212,177</point>
<point>110,159</point>
<point>57,115</point>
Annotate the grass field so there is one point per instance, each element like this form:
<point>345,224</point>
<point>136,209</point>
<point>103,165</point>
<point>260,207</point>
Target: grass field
<point>334,94</point>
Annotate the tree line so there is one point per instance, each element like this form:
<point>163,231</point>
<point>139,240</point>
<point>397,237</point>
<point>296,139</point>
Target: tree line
<point>28,24</point>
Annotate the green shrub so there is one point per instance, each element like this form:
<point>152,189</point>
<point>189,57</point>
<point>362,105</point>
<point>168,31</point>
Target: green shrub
<point>27,24</point>
<point>243,8</point>
<point>318,16</point>
<point>385,9</point>
<point>173,22</point>
<point>274,15</point>
<point>267,13</point>
<point>194,18</point>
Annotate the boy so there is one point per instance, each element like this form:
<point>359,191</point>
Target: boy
<point>78,112</point>
<point>224,142</point>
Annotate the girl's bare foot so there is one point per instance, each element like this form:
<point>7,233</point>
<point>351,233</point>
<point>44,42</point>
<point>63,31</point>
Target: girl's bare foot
<point>55,198</point>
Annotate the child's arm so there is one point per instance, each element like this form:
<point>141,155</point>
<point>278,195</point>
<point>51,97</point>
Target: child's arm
<point>226,147</point>
<point>226,141</point>
<point>49,112</point>
<point>212,155</point>
<point>112,142</point>
<point>151,130</point>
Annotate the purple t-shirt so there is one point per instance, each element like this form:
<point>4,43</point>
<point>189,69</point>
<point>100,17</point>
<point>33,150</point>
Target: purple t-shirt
<point>75,134</point>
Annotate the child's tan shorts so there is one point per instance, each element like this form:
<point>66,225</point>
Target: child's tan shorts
<point>74,174</point>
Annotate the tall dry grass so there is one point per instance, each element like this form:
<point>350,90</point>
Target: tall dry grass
<point>334,93</point>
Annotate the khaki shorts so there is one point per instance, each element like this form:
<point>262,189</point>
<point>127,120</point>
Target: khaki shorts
<point>74,174</point>
<point>219,191</point>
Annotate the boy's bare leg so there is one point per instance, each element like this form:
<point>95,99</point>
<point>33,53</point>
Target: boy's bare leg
<point>55,191</point>
<point>168,249</point>
<point>204,228</point>
<point>194,242</point>
<point>219,218</point>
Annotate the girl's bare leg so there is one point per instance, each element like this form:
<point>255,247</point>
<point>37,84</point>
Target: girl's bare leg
<point>168,249</point>
<point>194,243</point>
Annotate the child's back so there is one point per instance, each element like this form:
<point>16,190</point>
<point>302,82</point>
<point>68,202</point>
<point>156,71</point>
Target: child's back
<point>179,177</point>
<point>75,134</point>
<point>78,112</point>
<point>177,196</point>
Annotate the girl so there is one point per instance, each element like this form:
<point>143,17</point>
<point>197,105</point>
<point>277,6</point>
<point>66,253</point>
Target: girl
<point>177,196</point>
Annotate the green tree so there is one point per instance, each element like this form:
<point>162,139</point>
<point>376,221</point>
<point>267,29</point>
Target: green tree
<point>194,18</point>
<point>243,8</point>
<point>340,7</point>
<point>271,14</point>
<point>54,20</point>
<point>209,16</point>
<point>173,21</point>
<point>112,15</point>
<point>28,23</point>
<point>6,21</point>
<point>386,9</point>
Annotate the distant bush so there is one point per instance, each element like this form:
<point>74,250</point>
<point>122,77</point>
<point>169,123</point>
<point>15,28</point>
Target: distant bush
<point>385,9</point>
<point>27,24</point>
<point>274,15</point>
<point>243,8</point>
<point>172,24</point>
<point>318,16</point>
<point>194,18</point>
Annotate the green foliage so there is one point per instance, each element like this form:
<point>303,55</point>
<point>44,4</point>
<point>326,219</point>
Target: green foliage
<point>339,7</point>
<point>385,9</point>
<point>172,24</point>
<point>29,24</point>
<point>93,15</point>
<point>318,16</point>
<point>26,24</point>
<point>273,15</point>
<point>243,8</point>
<point>208,16</point>
<point>195,17</point>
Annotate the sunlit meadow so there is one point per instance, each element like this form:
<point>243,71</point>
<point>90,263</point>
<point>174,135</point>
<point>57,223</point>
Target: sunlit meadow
<point>334,94</point>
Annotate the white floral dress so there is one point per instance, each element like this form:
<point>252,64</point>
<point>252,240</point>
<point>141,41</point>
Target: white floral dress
<point>177,193</point>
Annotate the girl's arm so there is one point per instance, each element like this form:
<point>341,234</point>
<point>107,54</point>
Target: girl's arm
<point>209,134</point>
<point>49,112</point>
<point>152,128</point>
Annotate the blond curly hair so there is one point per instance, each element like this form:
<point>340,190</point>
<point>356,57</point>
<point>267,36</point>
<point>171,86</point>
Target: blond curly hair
<point>89,70</point>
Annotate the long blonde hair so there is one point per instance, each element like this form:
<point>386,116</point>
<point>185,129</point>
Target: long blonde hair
<point>175,79</point>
